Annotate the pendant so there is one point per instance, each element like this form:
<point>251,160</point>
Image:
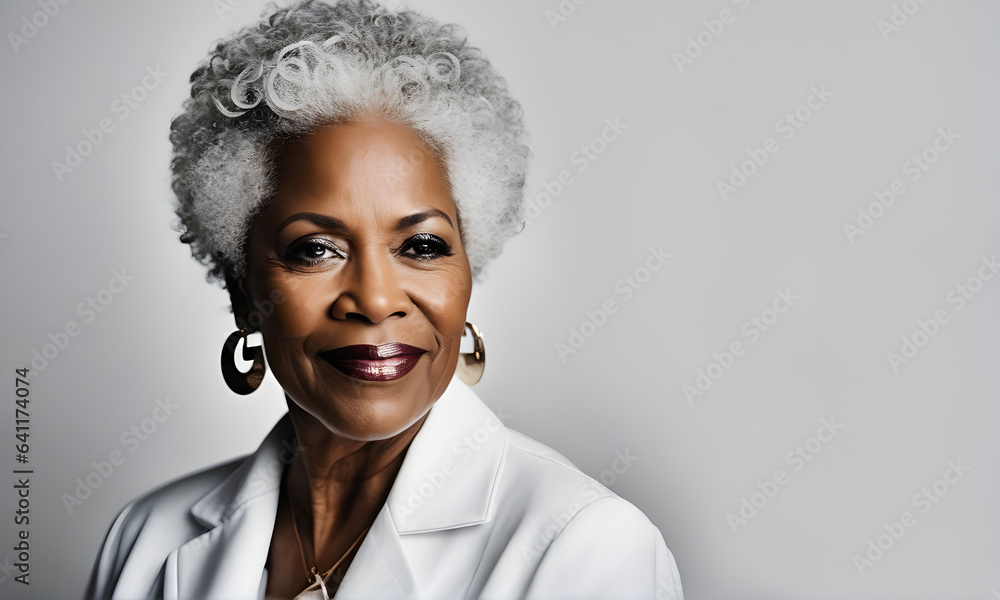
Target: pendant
<point>316,587</point>
<point>322,585</point>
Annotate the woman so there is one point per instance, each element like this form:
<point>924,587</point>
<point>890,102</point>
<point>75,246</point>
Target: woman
<point>353,170</point>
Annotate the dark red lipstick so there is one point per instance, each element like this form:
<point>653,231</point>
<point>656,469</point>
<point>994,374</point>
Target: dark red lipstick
<point>385,362</point>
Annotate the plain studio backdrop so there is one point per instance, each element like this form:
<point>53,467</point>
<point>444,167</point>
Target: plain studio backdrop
<point>756,296</point>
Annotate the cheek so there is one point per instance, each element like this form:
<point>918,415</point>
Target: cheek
<point>445,301</point>
<point>285,331</point>
<point>305,306</point>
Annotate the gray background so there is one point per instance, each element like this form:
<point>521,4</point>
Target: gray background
<point>826,357</point>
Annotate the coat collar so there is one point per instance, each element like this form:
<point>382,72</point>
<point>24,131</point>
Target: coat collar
<point>447,480</point>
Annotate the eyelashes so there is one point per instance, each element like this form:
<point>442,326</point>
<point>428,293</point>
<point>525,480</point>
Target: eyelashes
<point>426,246</point>
<point>314,251</point>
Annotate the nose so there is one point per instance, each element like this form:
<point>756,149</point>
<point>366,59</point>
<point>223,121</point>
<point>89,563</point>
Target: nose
<point>372,292</point>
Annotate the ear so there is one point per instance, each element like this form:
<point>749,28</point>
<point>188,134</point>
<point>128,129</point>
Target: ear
<point>239,301</point>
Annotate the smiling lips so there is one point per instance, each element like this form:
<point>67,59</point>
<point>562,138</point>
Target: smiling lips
<point>374,363</point>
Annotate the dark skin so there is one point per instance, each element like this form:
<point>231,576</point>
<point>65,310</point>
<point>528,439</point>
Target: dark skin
<point>362,241</point>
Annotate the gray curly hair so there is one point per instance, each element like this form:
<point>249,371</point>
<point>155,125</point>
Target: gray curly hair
<point>313,64</point>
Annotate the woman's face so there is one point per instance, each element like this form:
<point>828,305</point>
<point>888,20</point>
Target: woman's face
<point>362,242</point>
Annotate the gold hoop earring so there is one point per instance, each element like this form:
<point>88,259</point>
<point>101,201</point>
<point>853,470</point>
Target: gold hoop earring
<point>471,366</point>
<point>238,381</point>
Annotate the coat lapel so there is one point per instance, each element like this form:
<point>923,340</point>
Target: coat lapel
<point>447,481</point>
<point>380,570</point>
<point>227,561</point>
<point>449,475</point>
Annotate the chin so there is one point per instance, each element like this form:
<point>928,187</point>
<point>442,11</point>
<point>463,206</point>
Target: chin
<point>383,424</point>
<point>370,418</point>
<point>368,410</point>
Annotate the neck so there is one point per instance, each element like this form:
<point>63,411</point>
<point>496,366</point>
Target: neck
<point>336,485</point>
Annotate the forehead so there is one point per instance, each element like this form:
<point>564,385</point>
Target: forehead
<point>361,169</point>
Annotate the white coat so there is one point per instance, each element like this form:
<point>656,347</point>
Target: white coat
<point>476,511</point>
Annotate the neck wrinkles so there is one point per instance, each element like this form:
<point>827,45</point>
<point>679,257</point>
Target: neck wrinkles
<point>337,486</point>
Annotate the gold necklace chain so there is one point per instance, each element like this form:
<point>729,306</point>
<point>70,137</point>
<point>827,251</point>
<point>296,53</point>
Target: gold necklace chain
<point>312,575</point>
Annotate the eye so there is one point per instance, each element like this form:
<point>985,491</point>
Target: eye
<point>312,251</point>
<point>426,246</point>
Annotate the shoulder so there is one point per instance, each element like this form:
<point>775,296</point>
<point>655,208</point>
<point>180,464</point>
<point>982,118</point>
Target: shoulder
<point>547,477</point>
<point>629,557</point>
<point>171,503</point>
<point>567,519</point>
<point>149,526</point>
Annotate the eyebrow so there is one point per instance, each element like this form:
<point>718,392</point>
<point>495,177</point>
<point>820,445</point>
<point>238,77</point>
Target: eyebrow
<point>411,220</point>
<point>323,221</point>
<point>334,224</point>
